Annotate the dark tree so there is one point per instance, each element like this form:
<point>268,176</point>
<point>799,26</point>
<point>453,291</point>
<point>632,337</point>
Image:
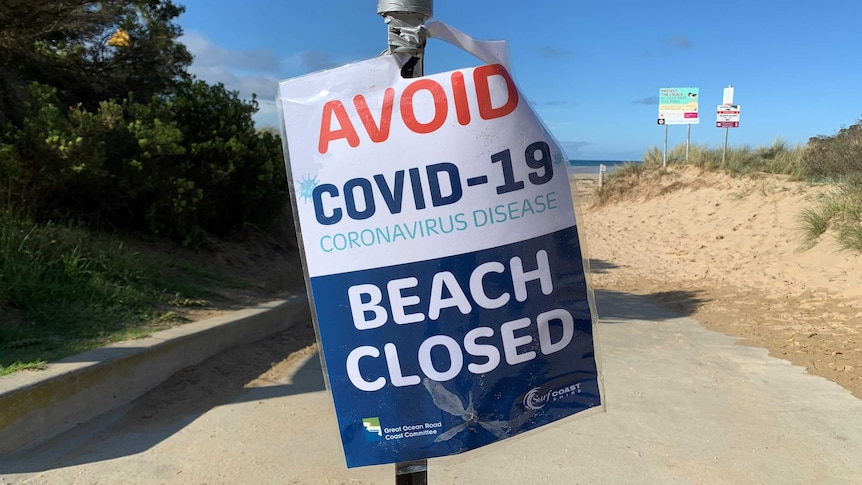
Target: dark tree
<point>67,44</point>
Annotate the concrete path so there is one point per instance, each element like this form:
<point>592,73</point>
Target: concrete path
<point>684,406</point>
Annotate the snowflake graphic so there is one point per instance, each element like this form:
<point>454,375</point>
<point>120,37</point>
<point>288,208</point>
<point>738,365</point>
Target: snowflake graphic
<point>307,184</point>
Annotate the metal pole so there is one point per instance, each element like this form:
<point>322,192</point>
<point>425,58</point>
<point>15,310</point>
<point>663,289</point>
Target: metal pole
<point>664,158</point>
<point>407,35</point>
<point>687,142</point>
<point>411,473</point>
<point>727,99</point>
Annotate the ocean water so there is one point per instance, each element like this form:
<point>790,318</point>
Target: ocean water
<point>592,166</point>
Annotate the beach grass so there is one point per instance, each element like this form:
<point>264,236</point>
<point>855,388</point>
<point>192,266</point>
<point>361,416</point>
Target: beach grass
<point>840,211</point>
<point>777,158</point>
<point>833,160</point>
<point>843,211</point>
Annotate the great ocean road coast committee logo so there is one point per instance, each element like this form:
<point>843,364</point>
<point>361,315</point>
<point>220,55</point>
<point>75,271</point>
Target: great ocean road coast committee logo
<point>373,431</point>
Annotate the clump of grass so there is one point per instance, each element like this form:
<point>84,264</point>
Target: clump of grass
<point>850,238</point>
<point>835,159</point>
<point>620,182</point>
<point>778,158</point>
<point>849,235</point>
<point>841,211</point>
<point>814,222</point>
<point>625,178</point>
<point>19,366</point>
<point>64,289</point>
<point>628,170</point>
<point>653,158</point>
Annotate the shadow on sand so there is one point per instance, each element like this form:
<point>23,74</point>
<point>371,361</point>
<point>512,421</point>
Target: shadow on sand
<point>238,375</point>
<point>247,373</point>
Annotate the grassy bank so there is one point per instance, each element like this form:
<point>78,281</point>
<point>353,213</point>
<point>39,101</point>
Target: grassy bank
<point>65,289</point>
<point>778,158</point>
<point>834,160</point>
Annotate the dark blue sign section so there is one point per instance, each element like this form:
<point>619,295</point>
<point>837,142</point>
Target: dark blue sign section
<point>442,356</point>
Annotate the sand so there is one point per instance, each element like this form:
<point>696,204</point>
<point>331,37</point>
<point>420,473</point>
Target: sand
<point>728,252</point>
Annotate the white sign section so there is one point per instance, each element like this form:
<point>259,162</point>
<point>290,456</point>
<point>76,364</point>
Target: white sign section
<point>727,97</point>
<point>395,173</point>
<point>443,258</point>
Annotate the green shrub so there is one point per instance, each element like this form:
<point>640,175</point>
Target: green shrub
<point>231,172</point>
<point>181,166</point>
<point>835,157</point>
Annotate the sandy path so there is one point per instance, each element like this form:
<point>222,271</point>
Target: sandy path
<point>727,251</point>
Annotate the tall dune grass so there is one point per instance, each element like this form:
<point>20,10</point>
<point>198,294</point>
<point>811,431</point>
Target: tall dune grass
<point>841,211</point>
<point>835,159</point>
<point>778,158</point>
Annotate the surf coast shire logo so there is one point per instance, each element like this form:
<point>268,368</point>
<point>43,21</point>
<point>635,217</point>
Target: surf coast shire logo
<point>373,431</point>
<point>536,399</point>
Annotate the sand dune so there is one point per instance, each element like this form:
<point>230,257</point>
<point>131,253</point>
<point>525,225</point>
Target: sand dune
<point>728,251</point>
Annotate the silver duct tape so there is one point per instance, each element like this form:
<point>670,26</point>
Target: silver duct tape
<point>407,34</point>
<point>423,7</point>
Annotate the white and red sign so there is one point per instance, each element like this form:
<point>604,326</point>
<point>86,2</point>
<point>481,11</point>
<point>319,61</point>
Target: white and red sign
<point>727,116</point>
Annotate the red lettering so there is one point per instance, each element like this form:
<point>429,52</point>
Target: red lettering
<point>346,129</point>
<point>380,128</point>
<point>441,106</point>
<point>376,133</point>
<point>481,76</point>
<point>459,89</point>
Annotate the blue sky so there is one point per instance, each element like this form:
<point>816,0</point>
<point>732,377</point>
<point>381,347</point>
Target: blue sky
<point>592,70</point>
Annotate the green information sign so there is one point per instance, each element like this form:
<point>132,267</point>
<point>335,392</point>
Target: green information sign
<point>678,106</point>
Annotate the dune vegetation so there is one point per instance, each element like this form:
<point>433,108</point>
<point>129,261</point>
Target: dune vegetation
<point>834,160</point>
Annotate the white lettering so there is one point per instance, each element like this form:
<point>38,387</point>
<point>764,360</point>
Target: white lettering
<point>456,358</point>
<point>543,322</point>
<point>458,299</point>
<point>477,286</point>
<point>398,380</point>
<point>521,278</point>
<point>359,308</point>
<point>478,350</point>
<point>511,343</point>
<point>355,375</point>
<point>398,302</point>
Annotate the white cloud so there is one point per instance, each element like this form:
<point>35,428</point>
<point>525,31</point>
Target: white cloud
<point>208,54</point>
<point>556,102</point>
<point>267,115</point>
<point>249,72</point>
<point>649,100</point>
<point>316,60</point>
<point>264,86</point>
<point>551,52</point>
<point>573,148</point>
<point>679,41</point>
